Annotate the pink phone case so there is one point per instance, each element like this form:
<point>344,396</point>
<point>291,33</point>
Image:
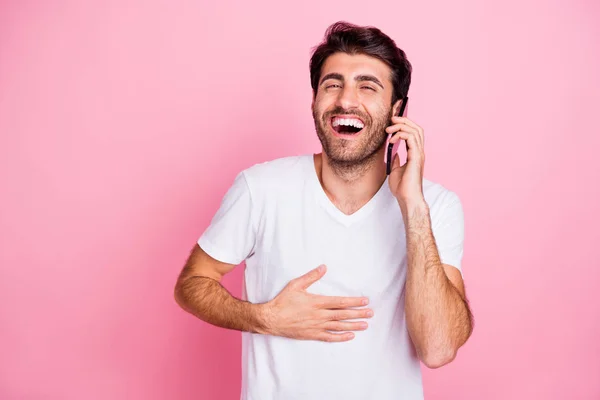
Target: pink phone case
<point>394,149</point>
<point>387,142</point>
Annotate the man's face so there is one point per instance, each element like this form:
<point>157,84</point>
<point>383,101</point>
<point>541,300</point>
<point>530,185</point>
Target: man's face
<point>352,107</point>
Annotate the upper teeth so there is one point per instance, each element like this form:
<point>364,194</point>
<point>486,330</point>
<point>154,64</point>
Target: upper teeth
<point>348,122</point>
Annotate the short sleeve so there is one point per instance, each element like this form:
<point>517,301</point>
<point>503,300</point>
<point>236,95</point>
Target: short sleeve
<point>449,230</point>
<point>230,237</point>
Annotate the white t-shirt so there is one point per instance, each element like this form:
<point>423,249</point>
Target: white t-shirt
<point>278,219</point>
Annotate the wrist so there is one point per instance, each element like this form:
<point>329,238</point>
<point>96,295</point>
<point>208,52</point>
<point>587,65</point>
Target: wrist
<point>261,318</point>
<point>412,207</point>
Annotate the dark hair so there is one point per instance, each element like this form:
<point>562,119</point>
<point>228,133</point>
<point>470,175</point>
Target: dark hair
<point>352,39</point>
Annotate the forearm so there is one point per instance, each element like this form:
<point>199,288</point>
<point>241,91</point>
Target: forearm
<point>438,318</point>
<point>208,300</point>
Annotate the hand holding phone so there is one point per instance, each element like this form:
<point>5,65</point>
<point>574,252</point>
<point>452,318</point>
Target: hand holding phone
<point>392,148</point>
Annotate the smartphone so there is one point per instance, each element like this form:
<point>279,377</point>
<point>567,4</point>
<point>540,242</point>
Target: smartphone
<point>392,148</point>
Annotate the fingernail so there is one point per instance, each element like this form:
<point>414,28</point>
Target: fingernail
<point>365,301</point>
<point>370,313</point>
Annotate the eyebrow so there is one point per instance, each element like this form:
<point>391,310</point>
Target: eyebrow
<point>359,78</point>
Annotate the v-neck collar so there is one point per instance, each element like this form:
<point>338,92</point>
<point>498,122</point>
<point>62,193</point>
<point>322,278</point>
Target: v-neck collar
<point>322,198</point>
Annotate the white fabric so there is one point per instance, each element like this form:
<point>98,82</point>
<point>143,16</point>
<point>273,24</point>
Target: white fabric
<point>278,219</point>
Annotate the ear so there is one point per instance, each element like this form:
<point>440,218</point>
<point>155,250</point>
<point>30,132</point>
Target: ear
<point>396,107</point>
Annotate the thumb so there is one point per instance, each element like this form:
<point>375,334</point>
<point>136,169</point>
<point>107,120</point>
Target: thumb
<point>304,281</point>
<point>396,162</point>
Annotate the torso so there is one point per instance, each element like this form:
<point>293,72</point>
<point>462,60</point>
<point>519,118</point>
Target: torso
<point>365,252</point>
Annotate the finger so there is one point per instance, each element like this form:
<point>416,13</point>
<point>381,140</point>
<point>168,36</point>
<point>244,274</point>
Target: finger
<point>410,140</point>
<point>400,135</point>
<point>335,337</point>
<point>345,326</point>
<point>396,129</point>
<point>304,281</point>
<point>342,315</point>
<point>396,162</point>
<point>407,121</point>
<point>413,149</point>
<point>401,127</point>
<point>335,302</point>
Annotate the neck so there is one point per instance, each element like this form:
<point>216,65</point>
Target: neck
<point>350,187</point>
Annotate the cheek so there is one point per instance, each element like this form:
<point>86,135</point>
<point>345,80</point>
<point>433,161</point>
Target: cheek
<point>324,100</point>
<point>380,112</point>
<point>375,105</point>
<point>319,108</point>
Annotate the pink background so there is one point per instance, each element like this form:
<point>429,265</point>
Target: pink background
<point>123,123</point>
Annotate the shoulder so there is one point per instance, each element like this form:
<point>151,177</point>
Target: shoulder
<point>441,200</point>
<point>436,193</point>
<point>278,172</point>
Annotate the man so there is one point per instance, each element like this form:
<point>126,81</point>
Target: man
<point>352,276</point>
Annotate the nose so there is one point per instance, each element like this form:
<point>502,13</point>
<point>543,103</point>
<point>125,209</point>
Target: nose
<point>347,98</point>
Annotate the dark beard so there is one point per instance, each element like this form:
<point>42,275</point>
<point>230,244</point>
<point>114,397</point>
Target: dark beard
<point>352,162</point>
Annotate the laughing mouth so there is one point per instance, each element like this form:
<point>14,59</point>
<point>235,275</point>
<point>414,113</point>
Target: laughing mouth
<point>347,126</point>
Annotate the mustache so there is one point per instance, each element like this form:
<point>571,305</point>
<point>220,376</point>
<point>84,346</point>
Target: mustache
<point>341,111</point>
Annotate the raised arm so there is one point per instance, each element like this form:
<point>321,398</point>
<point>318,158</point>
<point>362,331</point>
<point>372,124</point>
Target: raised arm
<point>438,317</point>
